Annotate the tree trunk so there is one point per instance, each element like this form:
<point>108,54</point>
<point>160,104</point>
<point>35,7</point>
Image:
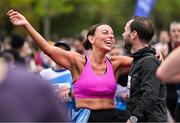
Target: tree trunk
<point>47,21</point>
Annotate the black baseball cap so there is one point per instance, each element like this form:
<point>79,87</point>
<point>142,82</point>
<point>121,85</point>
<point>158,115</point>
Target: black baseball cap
<point>62,43</point>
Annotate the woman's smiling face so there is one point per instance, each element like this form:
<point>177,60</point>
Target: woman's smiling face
<point>103,38</point>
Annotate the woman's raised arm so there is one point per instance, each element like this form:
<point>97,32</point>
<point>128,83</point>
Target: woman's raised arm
<point>60,56</point>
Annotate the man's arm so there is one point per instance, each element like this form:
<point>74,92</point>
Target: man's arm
<point>169,70</point>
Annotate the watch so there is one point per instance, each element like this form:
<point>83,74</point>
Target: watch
<point>133,119</point>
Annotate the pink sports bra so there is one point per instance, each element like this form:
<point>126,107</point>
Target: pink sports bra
<point>91,85</point>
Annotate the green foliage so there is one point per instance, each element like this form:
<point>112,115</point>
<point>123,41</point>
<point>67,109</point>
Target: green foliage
<point>52,7</point>
<point>69,17</point>
<point>165,12</point>
<point>90,12</point>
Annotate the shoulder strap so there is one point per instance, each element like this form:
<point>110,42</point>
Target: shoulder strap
<point>109,60</point>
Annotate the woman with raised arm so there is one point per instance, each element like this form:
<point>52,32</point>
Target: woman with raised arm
<point>94,75</point>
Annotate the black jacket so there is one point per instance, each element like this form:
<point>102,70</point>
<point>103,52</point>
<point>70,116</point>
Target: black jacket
<point>147,98</point>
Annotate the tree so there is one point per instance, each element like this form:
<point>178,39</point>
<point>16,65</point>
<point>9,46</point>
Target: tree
<point>50,8</point>
<point>67,17</point>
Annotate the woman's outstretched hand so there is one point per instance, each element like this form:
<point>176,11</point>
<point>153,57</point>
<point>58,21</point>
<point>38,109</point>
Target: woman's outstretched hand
<point>16,18</point>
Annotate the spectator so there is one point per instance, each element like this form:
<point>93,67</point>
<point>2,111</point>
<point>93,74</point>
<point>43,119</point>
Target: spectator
<point>77,44</point>
<point>168,72</point>
<point>61,78</point>
<point>16,44</point>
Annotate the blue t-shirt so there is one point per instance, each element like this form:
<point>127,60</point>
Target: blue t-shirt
<point>60,78</point>
<point>57,77</point>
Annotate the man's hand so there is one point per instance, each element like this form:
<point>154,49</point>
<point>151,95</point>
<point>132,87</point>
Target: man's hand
<point>128,121</point>
<point>132,119</point>
<point>160,55</point>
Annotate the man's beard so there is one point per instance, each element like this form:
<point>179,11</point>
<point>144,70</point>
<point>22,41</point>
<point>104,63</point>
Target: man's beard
<point>128,47</point>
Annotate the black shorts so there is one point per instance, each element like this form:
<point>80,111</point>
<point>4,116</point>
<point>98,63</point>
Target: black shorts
<point>110,115</point>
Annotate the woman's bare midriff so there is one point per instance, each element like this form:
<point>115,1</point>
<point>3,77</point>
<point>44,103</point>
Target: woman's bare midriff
<point>95,103</point>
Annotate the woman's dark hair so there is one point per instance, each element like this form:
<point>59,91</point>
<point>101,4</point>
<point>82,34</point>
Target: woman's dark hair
<point>87,44</point>
<point>144,28</point>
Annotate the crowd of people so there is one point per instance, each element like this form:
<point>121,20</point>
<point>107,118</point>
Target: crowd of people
<point>94,78</point>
